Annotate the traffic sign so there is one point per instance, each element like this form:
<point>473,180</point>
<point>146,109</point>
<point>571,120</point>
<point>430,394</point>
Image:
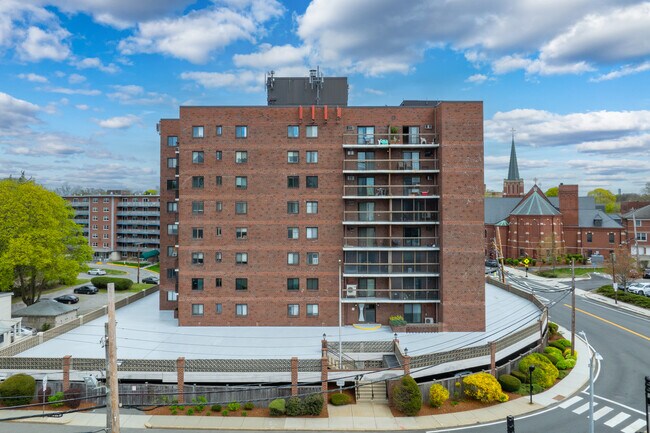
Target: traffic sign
<point>526,261</point>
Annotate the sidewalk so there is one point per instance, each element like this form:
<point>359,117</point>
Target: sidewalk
<point>362,416</point>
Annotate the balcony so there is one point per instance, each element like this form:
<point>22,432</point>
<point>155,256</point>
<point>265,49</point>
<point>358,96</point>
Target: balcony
<point>386,140</point>
<point>80,204</point>
<point>390,191</point>
<point>138,213</point>
<point>381,243</point>
<point>129,204</point>
<point>352,166</point>
<point>138,223</point>
<point>138,240</point>
<point>377,296</point>
<point>390,217</point>
<point>138,231</point>
<point>390,269</point>
<point>81,213</point>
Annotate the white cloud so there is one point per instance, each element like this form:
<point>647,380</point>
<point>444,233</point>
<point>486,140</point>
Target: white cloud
<point>67,91</point>
<point>248,80</point>
<point>40,44</point>
<point>16,114</point>
<point>477,78</point>
<point>374,91</point>
<point>624,144</point>
<point>622,72</point>
<point>76,78</point>
<point>272,57</point>
<point>195,36</point>
<point>35,78</point>
<point>136,95</point>
<point>119,122</point>
<point>82,107</point>
<point>96,63</point>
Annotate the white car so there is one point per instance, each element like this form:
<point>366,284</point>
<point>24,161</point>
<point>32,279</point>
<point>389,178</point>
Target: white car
<point>96,272</point>
<point>639,288</point>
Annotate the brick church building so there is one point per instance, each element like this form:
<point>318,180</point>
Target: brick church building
<point>534,225</point>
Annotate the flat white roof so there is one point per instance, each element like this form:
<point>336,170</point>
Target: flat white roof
<point>145,332</point>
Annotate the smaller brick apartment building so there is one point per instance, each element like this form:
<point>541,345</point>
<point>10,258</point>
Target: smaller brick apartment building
<point>273,215</point>
<point>119,225</point>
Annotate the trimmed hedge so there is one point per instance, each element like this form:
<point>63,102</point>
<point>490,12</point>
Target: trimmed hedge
<point>567,353</point>
<point>407,396</point>
<point>554,358</point>
<point>120,283</point>
<point>545,373</point>
<point>519,375</point>
<point>560,344</point>
<point>553,328</point>
<point>313,404</point>
<point>566,363</point>
<point>17,390</point>
<point>294,406</point>
<point>278,407</point>
<point>484,387</point>
<point>509,382</point>
<point>73,397</point>
<point>438,394</point>
<point>554,351</point>
<point>340,399</point>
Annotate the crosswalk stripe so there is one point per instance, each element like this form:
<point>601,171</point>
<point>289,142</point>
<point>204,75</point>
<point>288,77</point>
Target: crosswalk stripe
<point>582,409</point>
<point>634,427</point>
<point>602,412</point>
<point>570,402</point>
<point>617,419</point>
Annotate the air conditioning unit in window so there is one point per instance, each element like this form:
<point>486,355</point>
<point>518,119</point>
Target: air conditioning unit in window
<point>428,320</point>
<point>349,128</point>
<point>350,152</point>
<point>350,177</point>
<point>429,177</point>
<point>428,126</point>
<point>351,290</point>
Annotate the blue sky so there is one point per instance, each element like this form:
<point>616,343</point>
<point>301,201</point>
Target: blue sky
<point>83,82</point>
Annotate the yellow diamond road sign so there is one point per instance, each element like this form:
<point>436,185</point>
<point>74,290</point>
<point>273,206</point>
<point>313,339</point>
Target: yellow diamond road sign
<point>526,261</point>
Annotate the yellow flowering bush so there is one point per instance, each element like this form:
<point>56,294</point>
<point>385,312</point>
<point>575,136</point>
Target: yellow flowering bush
<point>484,387</point>
<point>438,394</point>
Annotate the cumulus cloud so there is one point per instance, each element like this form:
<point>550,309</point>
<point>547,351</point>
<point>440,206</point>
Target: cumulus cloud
<point>625,144</point>
<point>35,78</point>
<point>477,78</point>
<point>136,95</point>
<point>16,114</point>
<point>40,44</point>
<point>76,78</point>
<point>67,91</point>
<point>373,91</point>
<point>248,80</point>
<point>96,63</point>
<point>119,122</point>
<point>272,57</point>
<point>82,107</point>
<point>622,72</point>
<point>195,36</point>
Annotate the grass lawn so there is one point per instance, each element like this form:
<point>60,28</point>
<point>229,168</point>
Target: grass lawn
<point>566,272</point>
<point>155,267</point>
<point>16,298</point>
<point>115,272</point>
<point>627,297</point>
<point>135,288</point>
<point>131,264</point>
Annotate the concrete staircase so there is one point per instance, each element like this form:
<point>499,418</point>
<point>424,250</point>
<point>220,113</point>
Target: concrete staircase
<point>372,391</point>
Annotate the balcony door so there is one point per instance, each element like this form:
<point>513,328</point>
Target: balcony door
<point>411,160</point>
<point>367,287</point>
<point>366,186</point>
<point>367,211</point>
<point>365,134</point>
<point>365,161</point>
<point>366,237</point>
<point>367,313</point>
<point>412,236</point>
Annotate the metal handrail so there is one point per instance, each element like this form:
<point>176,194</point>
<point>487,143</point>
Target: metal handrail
<point>394,216</point>
<point>395,242</point>
<point>390,190</point>
<point>391,164</point>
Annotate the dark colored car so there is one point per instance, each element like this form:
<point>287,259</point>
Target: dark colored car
<point>67,299</point>
<point>150,280</point>
<point>492,263</point>
<point>86,290</point>
<point>646,273</point>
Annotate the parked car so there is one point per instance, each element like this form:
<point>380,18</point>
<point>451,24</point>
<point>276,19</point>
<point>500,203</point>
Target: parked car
<point>150,280</point>
<point>639,288</point>
<point>27,331</point>
<point>492,263</point>
<point>646,273</point>
<point>96,272</point>
<point>88,289</point>
<point>67,299</point>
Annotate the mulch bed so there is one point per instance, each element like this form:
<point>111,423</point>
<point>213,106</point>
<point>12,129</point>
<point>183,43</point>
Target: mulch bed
<point>453,406</point>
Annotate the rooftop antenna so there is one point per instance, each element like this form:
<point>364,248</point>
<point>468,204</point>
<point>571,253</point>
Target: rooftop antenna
<point>316,81</point>
<point>270,79</point>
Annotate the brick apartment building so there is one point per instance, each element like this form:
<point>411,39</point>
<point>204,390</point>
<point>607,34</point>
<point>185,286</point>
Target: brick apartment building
<point>268,210</point>
<point>118,224</point>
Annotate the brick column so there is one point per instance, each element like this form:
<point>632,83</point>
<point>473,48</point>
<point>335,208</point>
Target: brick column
<point>294,376</point>
<point>493,357</point>
<point>180,372</point>
<point>407,364</point>
<point>67,361</point>
<point>323,375</point>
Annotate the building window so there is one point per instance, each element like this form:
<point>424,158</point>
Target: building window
<point>612,238</point>
<point>312,181</point>
<point>172,162</point>
<point>219,206</point>
<point>312,207</point>
<point>312,283</point>
<point>293,258</point>
<point>293,284</point>
<point>241,232</point>
<point>293,131</point>
<point>241,283</point>
<point>197,232</point>
<point>293,157</point>
<point>218,282</point>
<point>198,157</point>
<point>172,206</point>
<point>241,258</point>
<point>241,207</point>
<point>172,184</point>
<point>197,283</point>
<point>219,130</point>
<point>197,207</point>
<point>95,227</point>
<point>293,232</point>
<point>217,257</point>
<point>197,309</point>
<point>105,236</point>
<point>241,131</point>
<point>218,231</point>
<point>219,155</point>
<point>105,227</point>
<point>172,141</point>
<point>590,237</point>
<point>311,131</point>
<point>219,309</point>
<point>312,258</point>
<point>197,258</point>
<point>172,229</point>
<point>241,157</point>
<point>197,132</point>
<point>172,296</point>
<point>171,251</point>
<point>95,209</point>
<point>105,218</point>
<point>94,244</point>
<point>197,182</point>
<point>292,207</point>
<point>241,310</point>
<point>293,310</point>
<point>365,134</point>
<point>312,157</point>
<point>293,181</point>
<point>171,273</point>
<point>218,180</point>
<point>95,218</point>
<point>312,310</point>
<point>312,232</point>
<point>643,237</point>
<point>413,313</point>
<point>241,182</point>
<point>95,200</point>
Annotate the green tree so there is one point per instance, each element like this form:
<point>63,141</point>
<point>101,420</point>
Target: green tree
<point>603,196</point>
<point>552,192</point>
<point>40,244</point>
<point>151,192</point>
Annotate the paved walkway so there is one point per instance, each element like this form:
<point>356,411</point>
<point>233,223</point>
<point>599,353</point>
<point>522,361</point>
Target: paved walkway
<point>361,416</point>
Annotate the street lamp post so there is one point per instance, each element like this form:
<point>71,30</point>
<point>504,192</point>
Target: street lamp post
<point>138,245</point>
<point>594,356</point>
<point>530,379</point>
<point>340,317</point>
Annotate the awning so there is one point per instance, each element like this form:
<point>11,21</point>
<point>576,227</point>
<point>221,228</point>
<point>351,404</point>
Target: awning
<point>149,254</point>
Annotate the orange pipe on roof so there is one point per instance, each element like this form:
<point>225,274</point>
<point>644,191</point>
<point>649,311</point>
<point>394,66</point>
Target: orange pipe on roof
<point>325,112</point>
<point>338,112</point>
<point>300,112</point>
<point>313,113</point>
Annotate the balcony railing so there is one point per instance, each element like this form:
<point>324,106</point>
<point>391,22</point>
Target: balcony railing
<point>387,191</point>
<point>79,213</point>
<point>80,204</point>
<point>138,240</point>
<point>386,165</point>
<point>378,295</point>
<point>138,213</point>
<point>130,204</point>
<point>138,231</point>
<point>391,268</point>
<point>138,223</point>
<point>393,242</point>
<point>390,216</point>
<point>422,139</point>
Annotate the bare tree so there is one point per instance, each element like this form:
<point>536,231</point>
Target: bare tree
<point>623,265</point>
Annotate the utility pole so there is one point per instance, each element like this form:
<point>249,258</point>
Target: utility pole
<point>573,307</point>
<point>636,242</point>
<point>112,391</point>
<point>500,257</point>
<point>137,280</point>
<point>612,256</point>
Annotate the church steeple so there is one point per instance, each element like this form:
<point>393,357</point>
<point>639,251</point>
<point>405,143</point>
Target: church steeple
<point>513,185</point>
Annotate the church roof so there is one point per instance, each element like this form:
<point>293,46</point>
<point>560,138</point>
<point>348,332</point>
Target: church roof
<point>513,168</point>
<point>587,217</point>
<point>535,203</point>
<point>640,214</point>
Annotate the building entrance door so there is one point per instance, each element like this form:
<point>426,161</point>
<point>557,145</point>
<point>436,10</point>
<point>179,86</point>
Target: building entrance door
<point>367,313</point>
